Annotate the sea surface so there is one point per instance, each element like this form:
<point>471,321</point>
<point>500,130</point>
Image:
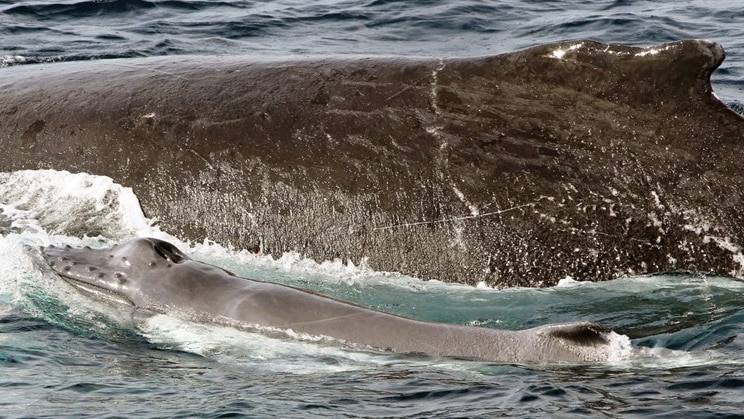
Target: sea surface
<point>64,355</point>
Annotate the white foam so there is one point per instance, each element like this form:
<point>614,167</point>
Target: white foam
<point>6,60</point>
<point>241,348</point>
<point>665,358</point>
<point>620,349</point>
<point>16,268</point>
<point>482,285</point>
<point>61,202</point>
<point>568,281</point>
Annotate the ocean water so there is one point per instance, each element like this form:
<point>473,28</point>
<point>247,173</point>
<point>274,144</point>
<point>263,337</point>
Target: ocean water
<point>63,355</point>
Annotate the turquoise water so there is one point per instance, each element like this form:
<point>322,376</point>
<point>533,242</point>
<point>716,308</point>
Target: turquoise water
<point>62,355</point>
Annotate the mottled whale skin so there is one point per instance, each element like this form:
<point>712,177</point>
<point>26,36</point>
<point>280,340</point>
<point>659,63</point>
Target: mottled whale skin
<point>576,158</point>
<point>154,275</point>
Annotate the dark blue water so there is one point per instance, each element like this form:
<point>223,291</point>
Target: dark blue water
<point>62,357</point>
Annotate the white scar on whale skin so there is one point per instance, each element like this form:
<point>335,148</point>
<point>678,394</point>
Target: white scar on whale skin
<point>435,86</point>
<point>474,211</point>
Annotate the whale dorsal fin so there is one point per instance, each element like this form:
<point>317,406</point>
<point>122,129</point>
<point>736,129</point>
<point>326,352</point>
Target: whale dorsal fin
<point>583,334</point>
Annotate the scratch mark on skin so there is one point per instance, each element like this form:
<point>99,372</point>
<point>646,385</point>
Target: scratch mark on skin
<point>401,91</point>
<point>435,86</point>
<point>192,151</point>
<point>462,218</point>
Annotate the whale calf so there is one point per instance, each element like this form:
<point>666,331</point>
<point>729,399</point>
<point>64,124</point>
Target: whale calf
<point>576,158</point>
<point>153,275</point>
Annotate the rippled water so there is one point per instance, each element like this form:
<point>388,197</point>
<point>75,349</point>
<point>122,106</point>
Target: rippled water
<point>62,356</point>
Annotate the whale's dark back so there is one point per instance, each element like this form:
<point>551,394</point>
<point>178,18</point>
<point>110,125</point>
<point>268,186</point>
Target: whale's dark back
<point>578,158</point>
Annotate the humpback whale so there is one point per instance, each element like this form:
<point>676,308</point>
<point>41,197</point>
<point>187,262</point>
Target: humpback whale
<point>155,276</point>
<point>576,158</point>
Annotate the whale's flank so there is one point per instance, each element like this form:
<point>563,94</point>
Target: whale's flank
<point>518,169</point>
